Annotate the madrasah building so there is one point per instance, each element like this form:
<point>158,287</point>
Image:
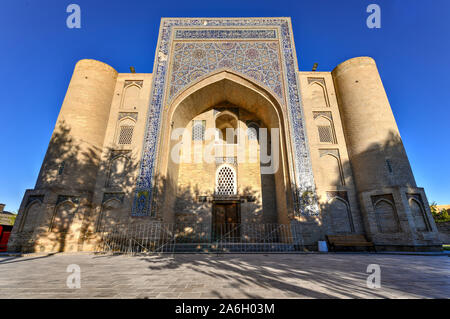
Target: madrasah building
<point>311,153</point>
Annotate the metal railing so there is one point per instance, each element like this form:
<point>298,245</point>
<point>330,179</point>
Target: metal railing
<point>160,237</point>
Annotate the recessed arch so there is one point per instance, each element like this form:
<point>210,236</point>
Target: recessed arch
<point>118,169</point>
<point>110,214</point>
<point>331,166</point>
<point>386,216</point>
<point>220,73</point>
<point>226,123</point>
<point>30,217</point>
<point>252,131</point>
<point>226,88</point>
<point>125,131</point>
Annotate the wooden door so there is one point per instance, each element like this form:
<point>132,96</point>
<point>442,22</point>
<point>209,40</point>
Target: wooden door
<point>226,221</point>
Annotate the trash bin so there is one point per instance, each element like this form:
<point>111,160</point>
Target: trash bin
<point>323,246</point>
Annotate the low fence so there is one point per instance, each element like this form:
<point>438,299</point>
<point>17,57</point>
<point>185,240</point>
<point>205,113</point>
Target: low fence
<point>220,238</point>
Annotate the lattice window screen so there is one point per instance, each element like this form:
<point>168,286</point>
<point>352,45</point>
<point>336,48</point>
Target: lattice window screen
<point>226,181</point>
<point>198,130</point>
<point>126,134</point>
<point>325,134</point>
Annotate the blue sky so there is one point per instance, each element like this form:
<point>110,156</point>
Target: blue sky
<point>38,53</point>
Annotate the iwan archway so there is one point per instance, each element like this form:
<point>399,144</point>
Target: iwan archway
<point>195,188</point>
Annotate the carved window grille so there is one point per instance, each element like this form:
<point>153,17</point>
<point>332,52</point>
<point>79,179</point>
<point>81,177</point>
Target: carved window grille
<point>226,181</point>
<point>198,130</point>
<point>325,127</point>
<point>126,134</point>
<point>389,166</point>
<point>61,167</point>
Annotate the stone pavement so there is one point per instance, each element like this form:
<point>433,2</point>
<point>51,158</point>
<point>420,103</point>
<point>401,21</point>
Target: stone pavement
<point>225,276</point>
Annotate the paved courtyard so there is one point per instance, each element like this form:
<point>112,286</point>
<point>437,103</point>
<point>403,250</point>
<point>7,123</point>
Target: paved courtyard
<point>225,276</point>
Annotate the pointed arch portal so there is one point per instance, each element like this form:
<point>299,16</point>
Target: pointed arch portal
<point>272,96</point>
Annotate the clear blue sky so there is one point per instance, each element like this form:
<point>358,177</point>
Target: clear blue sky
<point>38,53</point>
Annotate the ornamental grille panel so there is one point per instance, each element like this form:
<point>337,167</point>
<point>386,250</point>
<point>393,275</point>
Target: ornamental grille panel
<point>226,181</point>
<point>126,134</point>
<point>325,134</point>
<point>198,130</point>
<point>252,133</point>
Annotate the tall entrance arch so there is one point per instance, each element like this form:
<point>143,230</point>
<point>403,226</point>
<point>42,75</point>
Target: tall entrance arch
<point>243,64</point>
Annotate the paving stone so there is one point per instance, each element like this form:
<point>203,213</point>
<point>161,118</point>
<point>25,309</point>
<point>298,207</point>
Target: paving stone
<point>227,276</point>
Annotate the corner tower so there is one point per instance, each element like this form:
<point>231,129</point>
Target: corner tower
<point>51,215</point>
<point>395,211</point>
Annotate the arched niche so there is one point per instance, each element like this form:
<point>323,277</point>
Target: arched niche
<point>325,130</point>
<point>418,214</point>
<point>253,131</point>
<point>30,217</point>
<point>386,217</point>
<point>226,183</point>
<point>339,214</point>
<point>111,215</point>
<point>63,217</point>
<point>119,168</point>
<point>125,131</point>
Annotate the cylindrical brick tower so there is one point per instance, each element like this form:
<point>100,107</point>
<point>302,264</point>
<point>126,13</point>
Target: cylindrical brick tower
<point>72,158</point>
<point>376,151</point>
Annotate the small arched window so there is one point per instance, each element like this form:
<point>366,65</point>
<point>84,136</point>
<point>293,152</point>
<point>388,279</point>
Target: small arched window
<point>226,180</point>
<point>30,217</point>
<point>198,130</point>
